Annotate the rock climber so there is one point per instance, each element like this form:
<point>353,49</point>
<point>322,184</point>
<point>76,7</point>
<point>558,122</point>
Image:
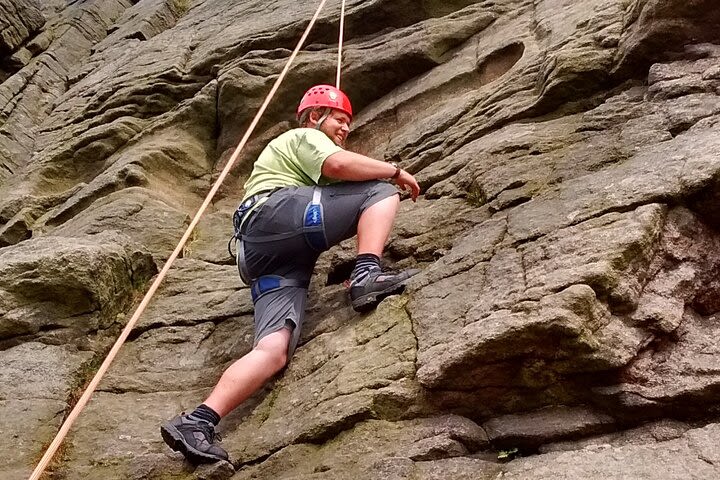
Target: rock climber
<point>305,194</point>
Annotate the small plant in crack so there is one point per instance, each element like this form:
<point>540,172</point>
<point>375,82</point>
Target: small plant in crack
<point>476,195</point>
<point>508,454</point>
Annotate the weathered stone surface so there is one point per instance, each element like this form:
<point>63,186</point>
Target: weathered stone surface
<point>660,431</point>
<point>544,426</point>
<point>693,456</point>
<point>138,208</point>
<point>568,154</point>
<point>18,20</point>
<point>210,239</point>
<point>521,356</point>
<point>110,441</point>
<point>197,292</point>
<point>28,96</point>
<point>660,25</point>
<point>483,306</point>
<point>215,471</point>
<point>196,325</point>
<point>143,20</point>
<point>36,381</point>
<point>673,374</point>
<point>58,288</point>
<point>363,371</point>
<point>366,449</point>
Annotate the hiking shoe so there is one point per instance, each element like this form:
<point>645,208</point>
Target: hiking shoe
<point>194,439</point>
<point>372,289</point>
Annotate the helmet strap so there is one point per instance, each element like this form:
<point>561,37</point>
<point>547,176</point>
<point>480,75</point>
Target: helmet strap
<point>323,117</point>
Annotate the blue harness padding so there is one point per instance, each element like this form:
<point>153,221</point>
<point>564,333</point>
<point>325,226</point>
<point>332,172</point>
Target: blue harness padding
<point>313,230</point>
<point>313,225</point>
<point>268,283</point>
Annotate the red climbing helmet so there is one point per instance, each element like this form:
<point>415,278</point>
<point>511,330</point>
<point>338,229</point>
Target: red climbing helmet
<point>325,96</point>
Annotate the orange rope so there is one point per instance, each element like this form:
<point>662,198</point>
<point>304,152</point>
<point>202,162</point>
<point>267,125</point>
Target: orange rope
<point>141,308</point>
<point>340,43</point>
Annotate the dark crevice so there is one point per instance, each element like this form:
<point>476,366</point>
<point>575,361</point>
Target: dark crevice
<point>340,272</point>
<point>415,337</point>
<point>82,204</point>
<point>520,200</point>
<point>706,460</point>
<point>283,40</point>
<point>705,203</point>
<point>664,33</point>
<point>372,81</point>
<point>5,167</point>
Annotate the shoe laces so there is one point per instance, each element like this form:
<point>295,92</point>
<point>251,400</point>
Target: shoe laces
<point>208,429</point>
<point>374,272</point>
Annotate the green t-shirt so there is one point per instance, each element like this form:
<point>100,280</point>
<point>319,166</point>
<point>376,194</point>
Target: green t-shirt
<point>293,158</point>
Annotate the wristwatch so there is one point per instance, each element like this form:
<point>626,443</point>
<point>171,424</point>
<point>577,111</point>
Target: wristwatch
<point>397,171</point>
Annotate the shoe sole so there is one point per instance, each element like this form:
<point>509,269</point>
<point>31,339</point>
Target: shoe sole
<point>367,302</point>
<point>175,440</point>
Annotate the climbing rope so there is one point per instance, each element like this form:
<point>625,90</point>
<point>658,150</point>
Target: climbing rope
<point>80,405</point>
<point>340,43</point>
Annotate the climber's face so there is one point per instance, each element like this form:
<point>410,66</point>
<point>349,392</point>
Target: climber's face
<point>336,126</point>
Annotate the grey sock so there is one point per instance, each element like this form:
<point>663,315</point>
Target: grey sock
<point>364,264</point>
<point>203,412</point>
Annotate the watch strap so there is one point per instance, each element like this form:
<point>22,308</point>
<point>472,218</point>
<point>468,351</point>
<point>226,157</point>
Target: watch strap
<point>397,171</point>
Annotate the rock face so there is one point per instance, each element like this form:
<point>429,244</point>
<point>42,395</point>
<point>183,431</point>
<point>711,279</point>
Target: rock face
<point>567,311</point>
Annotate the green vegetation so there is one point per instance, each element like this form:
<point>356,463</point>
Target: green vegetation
<point>476,196</point>
<point>508,454</point>
<point>182,6</point>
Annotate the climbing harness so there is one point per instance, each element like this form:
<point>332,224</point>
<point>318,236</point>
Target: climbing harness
<point>313,230</point>
<point>269,283</point>
<point>313,226</point>
<point>247,207</point>
<point>85,397</point>
<point>244,209</point>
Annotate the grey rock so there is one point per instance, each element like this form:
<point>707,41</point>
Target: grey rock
<point>543,426</point>
<point>215,471</point>
<point>68,286</point>
<point>28,95</point>
<point>338,380</point>
<point>109,440</point>
<point>19,20</point>
<point>375,449</point>
<point>567,235</point>
<point>659,431</point>
<point>691,456</point>
<point>37,380</point>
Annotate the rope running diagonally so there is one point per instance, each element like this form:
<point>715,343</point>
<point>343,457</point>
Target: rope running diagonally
<point>80,405</point>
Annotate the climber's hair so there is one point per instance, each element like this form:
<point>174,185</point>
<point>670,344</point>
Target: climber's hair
<point>305,115</point>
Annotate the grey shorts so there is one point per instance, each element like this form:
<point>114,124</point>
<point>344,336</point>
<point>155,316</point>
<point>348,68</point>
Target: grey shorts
<point>275,244</point>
